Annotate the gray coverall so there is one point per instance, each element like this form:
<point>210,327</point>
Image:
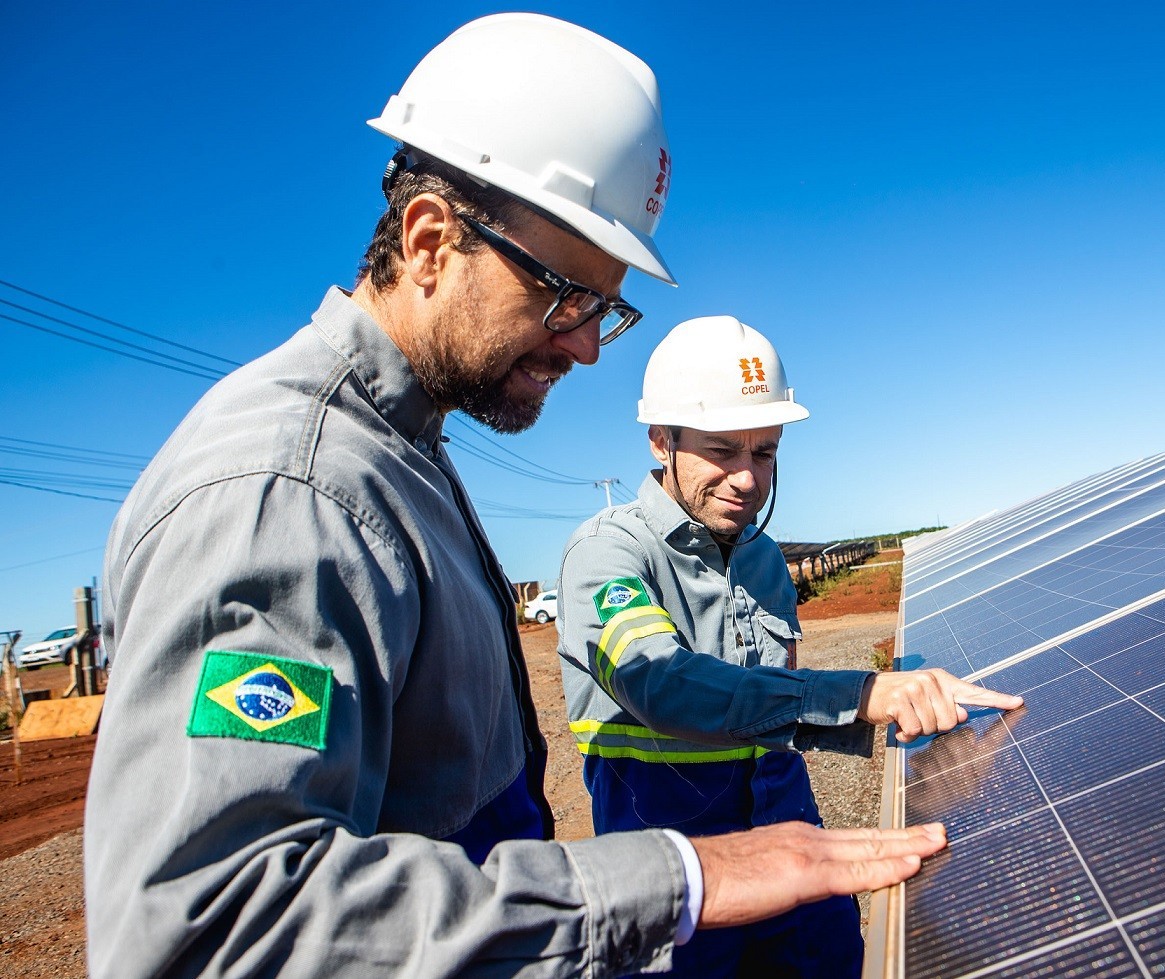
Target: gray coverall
<point>317,678</point>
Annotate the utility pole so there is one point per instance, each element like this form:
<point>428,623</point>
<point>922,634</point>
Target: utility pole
<point>606,484</point>
<point>82,652</point>
<point>9,662</point>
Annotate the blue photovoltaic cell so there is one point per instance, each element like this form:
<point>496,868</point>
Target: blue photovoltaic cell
<point>988,569</point>
<point>1103,746</point>
<point>1104,955</point>
<point>1048,602</point>
<point>1055,812</point>
<point>1027,864</point>
<point>1154,700</point>
<point>961,548</point>
<point>1047,539</point>
<point>1148,937</point>
<point>1117,635</point>
<point>1029,673</point>
<point>1136,669</point>
<point>1120,831</point>
<point>994,787</point>
<point>1059,702</point>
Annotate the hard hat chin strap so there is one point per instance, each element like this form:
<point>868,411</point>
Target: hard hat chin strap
<point>768,516</point>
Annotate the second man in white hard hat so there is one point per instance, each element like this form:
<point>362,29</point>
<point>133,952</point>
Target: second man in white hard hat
<point>678,633</point>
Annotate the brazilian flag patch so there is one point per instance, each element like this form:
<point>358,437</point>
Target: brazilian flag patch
<point>262,698</point>
<point>619,594</point>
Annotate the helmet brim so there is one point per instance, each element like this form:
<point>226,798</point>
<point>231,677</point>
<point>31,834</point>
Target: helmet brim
<point>740,419</point>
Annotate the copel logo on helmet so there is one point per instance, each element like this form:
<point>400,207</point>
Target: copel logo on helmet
<point>619,595</point>
<point>662,183</point>
<point>752,371</point>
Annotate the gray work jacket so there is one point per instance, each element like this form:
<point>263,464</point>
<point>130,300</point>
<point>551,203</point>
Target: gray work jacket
<point>305,513</point>
<point>649,617</point>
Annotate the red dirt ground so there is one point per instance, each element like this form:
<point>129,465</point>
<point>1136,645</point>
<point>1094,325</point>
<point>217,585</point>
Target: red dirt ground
<point>874,587</point>
<point>50,796</point>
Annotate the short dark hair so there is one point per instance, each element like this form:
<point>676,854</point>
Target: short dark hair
<point>489,205</point>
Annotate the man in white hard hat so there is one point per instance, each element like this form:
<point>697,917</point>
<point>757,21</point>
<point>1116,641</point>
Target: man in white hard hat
<point>678,632</point>
<point>318,754</point>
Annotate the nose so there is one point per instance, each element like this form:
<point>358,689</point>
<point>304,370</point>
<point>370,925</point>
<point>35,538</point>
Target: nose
<point>743,480</point>
<point>581,344</point>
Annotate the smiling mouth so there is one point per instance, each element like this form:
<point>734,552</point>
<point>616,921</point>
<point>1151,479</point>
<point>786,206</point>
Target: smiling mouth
<point>541,378</point>
<point>735,504</point>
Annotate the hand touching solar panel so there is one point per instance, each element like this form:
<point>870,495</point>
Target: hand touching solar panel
<point>925,701</point>
<point>768,870</point>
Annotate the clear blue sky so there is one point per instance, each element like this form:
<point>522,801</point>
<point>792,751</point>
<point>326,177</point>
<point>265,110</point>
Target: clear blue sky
<point>949,217</point>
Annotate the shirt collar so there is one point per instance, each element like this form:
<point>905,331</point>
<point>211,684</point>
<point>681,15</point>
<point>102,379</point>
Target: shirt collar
<point>380,366</point>
<point>666,517</point>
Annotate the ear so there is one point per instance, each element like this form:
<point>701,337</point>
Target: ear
<point>427,230</point>
<point>660,444</point>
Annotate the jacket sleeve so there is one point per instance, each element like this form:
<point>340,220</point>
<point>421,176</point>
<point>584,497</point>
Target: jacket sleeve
<point>231,856</point>
<point>633,652</point>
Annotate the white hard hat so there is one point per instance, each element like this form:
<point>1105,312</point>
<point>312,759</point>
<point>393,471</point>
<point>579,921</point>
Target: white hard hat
<point>555,115</point>
<point>715,374</point>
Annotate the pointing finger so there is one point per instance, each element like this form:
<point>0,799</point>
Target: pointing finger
<point>977,696</point>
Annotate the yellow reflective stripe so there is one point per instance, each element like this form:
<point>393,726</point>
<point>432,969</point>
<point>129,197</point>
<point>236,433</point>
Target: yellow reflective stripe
<point>620,632</point>
<point>628,615</point>
<point>596,735</point>
<point>628,637</point>
<point>663,757</point>
<point>603,727</point>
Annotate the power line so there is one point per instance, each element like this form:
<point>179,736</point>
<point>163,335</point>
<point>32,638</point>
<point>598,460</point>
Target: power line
<point>65,457</point>
<point>508,466</point>
<point>481,435</point>
<point>120,326</point>
<point>73,448</point>
<point>492,508</point>
<point>64,483</point>
<point>45,489</point>
<point>55,557</point>
<point>522,466</point>
<point>618,491</point>
<point>66,479</point>
<point>113,350</point>
<point>621,493</point>
<point>106,336</point>
<point>74,457</point>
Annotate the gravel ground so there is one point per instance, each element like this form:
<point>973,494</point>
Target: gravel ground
<point>848,789</point>
<point>42,932</point>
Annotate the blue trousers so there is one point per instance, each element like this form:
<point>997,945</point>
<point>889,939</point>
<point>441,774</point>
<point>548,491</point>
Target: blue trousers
<point>815,941</point>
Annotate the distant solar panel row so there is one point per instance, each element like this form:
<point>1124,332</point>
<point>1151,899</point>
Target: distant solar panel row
<point>1055,812</point>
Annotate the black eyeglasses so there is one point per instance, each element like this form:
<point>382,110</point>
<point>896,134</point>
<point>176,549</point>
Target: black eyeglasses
<point>574,304</point>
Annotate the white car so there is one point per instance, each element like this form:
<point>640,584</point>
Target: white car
<point>54,648</point>
<point>543,607</point>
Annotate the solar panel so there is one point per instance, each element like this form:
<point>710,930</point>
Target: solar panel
<point>1056,812</point>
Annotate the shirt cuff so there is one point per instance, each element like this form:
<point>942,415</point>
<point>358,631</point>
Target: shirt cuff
<point>693,887</point>
<point>832,697</point>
